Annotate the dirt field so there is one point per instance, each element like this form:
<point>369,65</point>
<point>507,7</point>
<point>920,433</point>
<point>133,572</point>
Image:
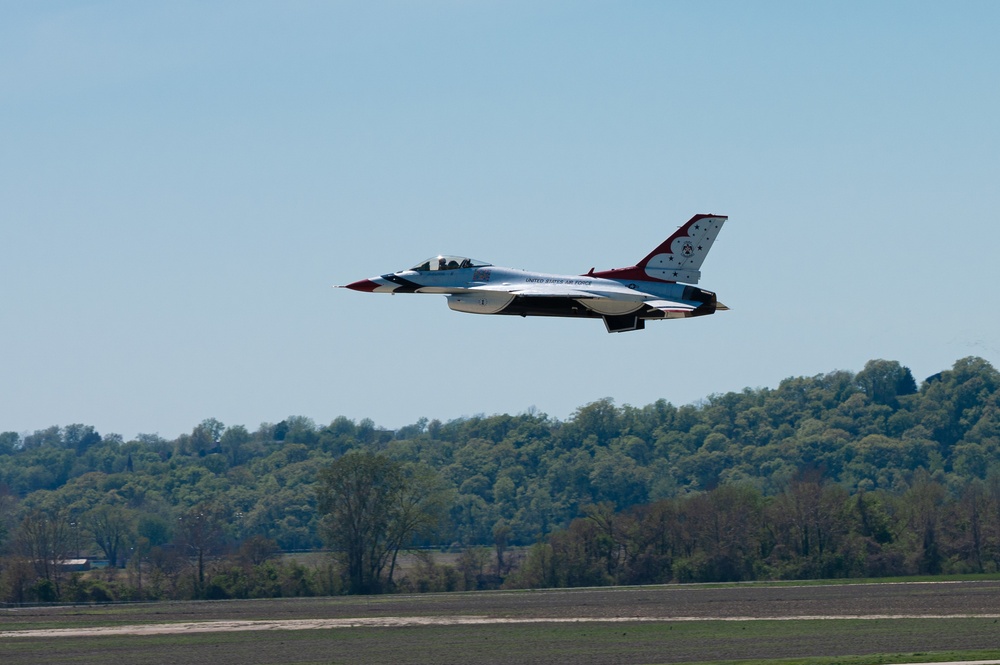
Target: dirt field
<point>666,624</point>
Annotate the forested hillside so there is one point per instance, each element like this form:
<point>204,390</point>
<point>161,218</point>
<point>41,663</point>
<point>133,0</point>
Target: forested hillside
<point>874,440</point>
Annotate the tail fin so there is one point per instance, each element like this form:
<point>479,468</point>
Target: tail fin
<point>679,257</point>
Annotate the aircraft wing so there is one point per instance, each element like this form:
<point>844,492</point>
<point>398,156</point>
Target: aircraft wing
<point>670,308</point>
<point>539,291</point>
<point>565,291</point>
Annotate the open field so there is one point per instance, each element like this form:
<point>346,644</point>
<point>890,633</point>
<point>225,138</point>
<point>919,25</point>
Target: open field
<point>632,625</point>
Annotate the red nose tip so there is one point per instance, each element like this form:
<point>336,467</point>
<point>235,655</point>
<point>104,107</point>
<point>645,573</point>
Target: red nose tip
<point>365,285</point>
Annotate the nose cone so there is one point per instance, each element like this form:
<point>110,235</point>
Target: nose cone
<point>365,285</point>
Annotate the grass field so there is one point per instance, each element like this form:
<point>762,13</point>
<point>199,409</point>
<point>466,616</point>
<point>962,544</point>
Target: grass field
<point>850,624</point>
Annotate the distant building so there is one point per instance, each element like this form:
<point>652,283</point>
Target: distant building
<point>73,565</point>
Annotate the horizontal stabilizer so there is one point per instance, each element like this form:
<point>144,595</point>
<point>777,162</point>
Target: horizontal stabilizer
<point>670,305</point>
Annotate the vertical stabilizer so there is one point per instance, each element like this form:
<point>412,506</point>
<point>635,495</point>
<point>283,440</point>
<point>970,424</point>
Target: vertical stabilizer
<point>679,257</point>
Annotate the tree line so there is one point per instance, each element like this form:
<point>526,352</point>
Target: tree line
<point>180,513</point>
<point>814,529</point>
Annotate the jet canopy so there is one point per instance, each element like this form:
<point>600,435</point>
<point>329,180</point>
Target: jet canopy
<point>442,262</point>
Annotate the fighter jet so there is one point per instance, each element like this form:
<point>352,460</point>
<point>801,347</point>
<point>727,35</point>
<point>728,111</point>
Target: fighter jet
<point>657,287</point>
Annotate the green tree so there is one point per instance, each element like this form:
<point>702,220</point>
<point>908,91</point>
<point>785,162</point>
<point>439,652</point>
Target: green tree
<point>8,504</point>
<point>419,508</point>
<point>206,436</point>
<point>200,533</point>
<point>9,442</point>
<point>884,381</point>
<point>113,528</point>
<point>45,542</point>
<point>372,507</point>
<point>234,443</point>
<point>355,495</point>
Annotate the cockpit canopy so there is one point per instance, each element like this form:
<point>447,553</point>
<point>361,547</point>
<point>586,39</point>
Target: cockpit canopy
<point>443,262</point>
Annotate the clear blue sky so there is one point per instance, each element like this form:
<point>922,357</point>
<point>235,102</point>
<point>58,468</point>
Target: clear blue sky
<point>182,183</point>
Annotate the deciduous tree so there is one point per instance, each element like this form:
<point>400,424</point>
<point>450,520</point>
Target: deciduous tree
<point>372,507</point>
<point>113,528</point>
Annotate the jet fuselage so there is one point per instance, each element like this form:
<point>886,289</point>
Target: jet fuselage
<point>658,287</point>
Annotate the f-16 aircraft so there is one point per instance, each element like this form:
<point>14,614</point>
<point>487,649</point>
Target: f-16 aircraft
<point>657,287</point>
